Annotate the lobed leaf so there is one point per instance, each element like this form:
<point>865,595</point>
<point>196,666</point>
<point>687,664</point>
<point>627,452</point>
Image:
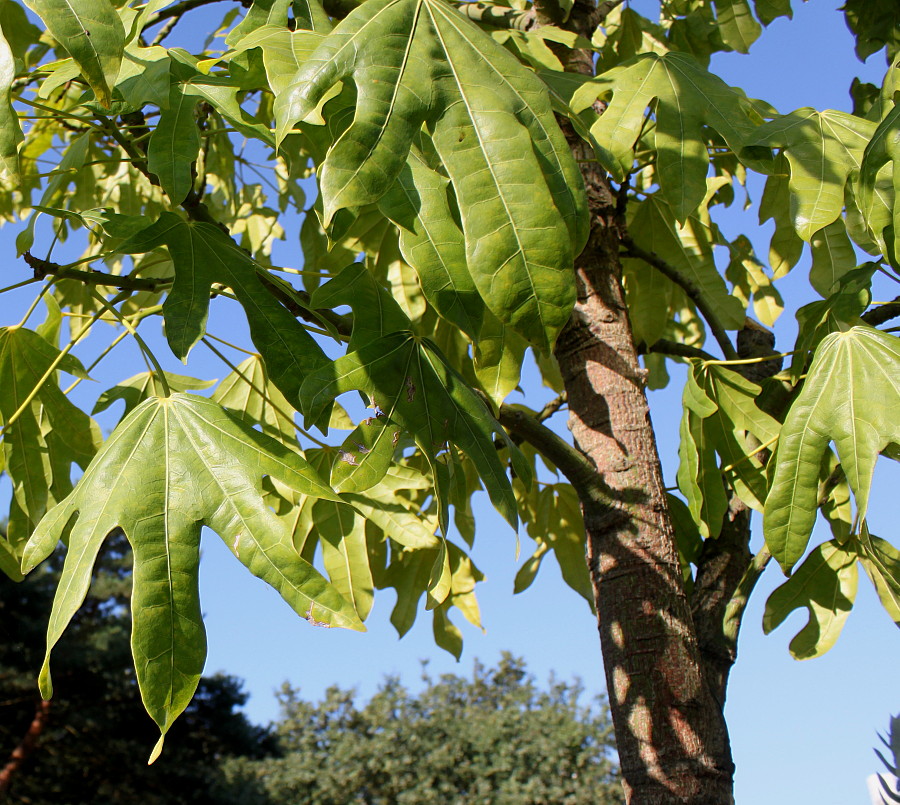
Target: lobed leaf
<point>417,62</point>
<point>173,465</point>
<point>851,396</point>
<point>825,584</point>
<point>686,98</point>
<point>204,255</point>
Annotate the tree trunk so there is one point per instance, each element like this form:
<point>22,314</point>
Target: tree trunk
<point>670,729</point>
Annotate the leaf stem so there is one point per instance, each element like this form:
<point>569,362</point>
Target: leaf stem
<point>233,346</point>
<point>34,304</point>
<point>123,320</point>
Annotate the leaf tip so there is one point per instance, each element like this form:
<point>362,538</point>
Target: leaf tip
<point>157,750</point>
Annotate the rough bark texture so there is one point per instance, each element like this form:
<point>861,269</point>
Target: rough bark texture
<point>29,741</point>
<point>670,729</point>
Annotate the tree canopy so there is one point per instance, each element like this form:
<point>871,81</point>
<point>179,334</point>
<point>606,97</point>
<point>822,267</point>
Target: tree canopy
<point>473,186</point>
<point>495,738</point>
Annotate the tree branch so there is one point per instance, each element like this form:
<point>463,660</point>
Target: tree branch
<point>44,268</point>
<point>578,470</point>
<point>180,8</point>
<point>665,347</point>
<point>882,313</point>
<point>552,407</point>
<point>29,741</point>
<point>692,291</point>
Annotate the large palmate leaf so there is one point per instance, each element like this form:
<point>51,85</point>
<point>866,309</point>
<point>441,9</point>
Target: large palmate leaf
<point>92,34</point>
<point>203,255</point>
<point>409,381</point>
<point>851,396</point>
<point>49,434</point>
<point>173,465</point>
<point>825,584</point>
<point>823,149</point>
<point>687,98</point>
<point>418,62</point>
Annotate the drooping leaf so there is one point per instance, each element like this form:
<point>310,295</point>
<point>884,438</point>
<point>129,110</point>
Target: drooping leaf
<point>825,584</point>
<point>92,34</point>
<point>49,434</point>
<point>883,148</point>
<point>365,455</point>
<point>173,465</point>
<point>881,561</point>
<point>851,396</point>
<point>687,97</point>
<point>833,256</point>
<point>433,243</point>
<point>203,255</point>
<point>418,62</point>
<point>822,149</point>
<point>174,145</point>
<point>687,248</point>
<point>785,246</point>
<point>344,553</point>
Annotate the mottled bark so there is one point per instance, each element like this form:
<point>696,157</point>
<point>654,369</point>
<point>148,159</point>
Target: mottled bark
<point>29,741</point>
<point>670,730</point>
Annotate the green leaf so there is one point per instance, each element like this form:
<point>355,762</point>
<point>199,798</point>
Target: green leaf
<point>498,359</point>
<point>203,255</point>
<point>248,392</point>
<point>144,77</point>
<point>687,98</point>
<point>825,584</point>
<point>92,34</point>
<point>366,455</point>
<point>172,466</point>
<point>344,553</point>
<point>174,145</point>
<point>10,130</point>
<point>409,380</point>
<point>851,396</point>
<point>492,128</point>
<point>881,561</point>
<point>823,149</point>
<point>394,519</point>
<point>50,433</point>
<point>736,24</point>
<point>786,247</point>
<point>408,574</point>
<point>135,390</point>
<point>689,249</point>
<point>433,244</point>
<point>882,148</point>
<point>833,256</point>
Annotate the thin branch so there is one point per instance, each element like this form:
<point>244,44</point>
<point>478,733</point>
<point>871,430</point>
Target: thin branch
<point>45,268</point>
<point>692,291</point>
<point>552,407</point>
<point>665,347</point>
<point>579,470</point>
<point>882,313</point>
<point>177,10</point>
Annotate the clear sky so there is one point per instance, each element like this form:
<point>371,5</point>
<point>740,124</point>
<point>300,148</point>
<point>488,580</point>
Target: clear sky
<point>800,731</point>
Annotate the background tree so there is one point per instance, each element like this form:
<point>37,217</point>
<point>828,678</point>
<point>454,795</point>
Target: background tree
<point>86,746</point>
<point>495,738</point>
<point>423,122</point>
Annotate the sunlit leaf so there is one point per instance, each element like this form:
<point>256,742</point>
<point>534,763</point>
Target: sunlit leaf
<point>92,34</point>
<point>825,584</point>
<point>173,465</point>
<point>851,396</point>
<point>418,62</point>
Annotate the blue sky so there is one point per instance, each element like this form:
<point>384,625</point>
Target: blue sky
<point>800,731</point>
